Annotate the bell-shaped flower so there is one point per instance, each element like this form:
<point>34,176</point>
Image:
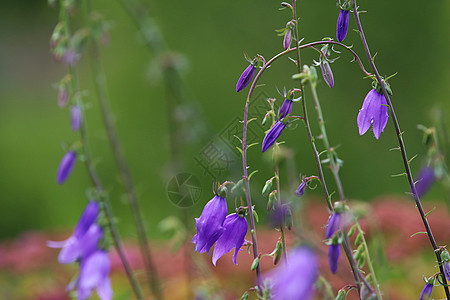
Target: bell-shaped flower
<point>210,224</point>
<point>94,274</point>
<point>301,189</point>
<point>426,292</point>
<point>233,237</point>
<point>334,222</point>
<point>333,256</point>
<point>66,166</point>
<point>295,280</point>
<point>75,117</point>
<point>424,181</point>
<point>285,109</point>
<point>245,78</point>
<point>84,239</point>
<point>373,112</point>
<point>272,135</point>
<point>342,25</point>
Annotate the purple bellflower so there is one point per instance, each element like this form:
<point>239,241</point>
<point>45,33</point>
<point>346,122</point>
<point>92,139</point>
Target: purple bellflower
<point>94,272</point>
<point>245,78</point>
<point>301,189</point>
<point>373,112</point>
<point>424,181</point>
<point>63,97</point>
<point>342,25</point>
<point>447,269</point>
<point>233,237</point>
<point>84,239</point>
<point>333,257</point>
<point>426,292</point>
<point>327,73</point>
<point>272,135</point>
<point>66,166</point>
<point>294,281</point>
<point>75,117</point>
<point>210,224</point>
<point>285,109</point>
<point>333,224</point>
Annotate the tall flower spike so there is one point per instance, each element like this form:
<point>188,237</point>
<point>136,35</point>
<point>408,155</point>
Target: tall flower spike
<point>66,166</point>
<point>294,281</point>
<point>233,237</point>
<point>245,78</point>
<point>75,117</point>
<point>426,292</point>
<point>424,181</point>
<point>94,274</point>
<point>285,109</point>
<point>333,256</point>
<point>210,224</point>
<point>333,224</point>
<point>342,25</point>
<point>373,112</point>
<point>272,135</point>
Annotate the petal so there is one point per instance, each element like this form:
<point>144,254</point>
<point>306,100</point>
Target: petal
<point>89,242</point>
<point>209,225</point>
<point>71,251</point>
<point>368,110</point>
<point>93,270</point>
<point>381,116</point>
<point>233,237</point>
<point>88,217</point>
<point>104,290</point>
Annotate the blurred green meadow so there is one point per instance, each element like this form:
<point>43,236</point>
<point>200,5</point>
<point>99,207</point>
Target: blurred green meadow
<point>206,40</point>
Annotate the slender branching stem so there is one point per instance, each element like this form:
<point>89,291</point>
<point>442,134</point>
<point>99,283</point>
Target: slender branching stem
<point>117,149</point>
<point>402,148</point>
<point>92,173</point>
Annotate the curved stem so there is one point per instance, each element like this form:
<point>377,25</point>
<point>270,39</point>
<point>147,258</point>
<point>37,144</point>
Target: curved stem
<point>402,148</point>
<point>117,149</point>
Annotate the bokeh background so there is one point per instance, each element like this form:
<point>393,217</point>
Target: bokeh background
<point>206,41</point>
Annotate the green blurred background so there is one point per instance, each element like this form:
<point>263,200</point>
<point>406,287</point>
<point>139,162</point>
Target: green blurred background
<point>411,38</point>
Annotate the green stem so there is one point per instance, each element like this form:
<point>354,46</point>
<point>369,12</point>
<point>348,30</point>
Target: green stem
<point>282,223</point>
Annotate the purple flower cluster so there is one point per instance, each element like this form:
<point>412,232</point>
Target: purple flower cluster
<point>82,246</point>
<point>294,281</point>
<point>214,226</point>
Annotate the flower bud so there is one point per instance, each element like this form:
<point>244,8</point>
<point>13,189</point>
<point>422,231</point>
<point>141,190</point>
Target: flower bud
<point>66,166</point>
<point>272,135</point>
<point>245,78</point>
<point>75,117</point>
<point>285,109</point>
<point>267,186</point>
<point>287,38</point>
<point>327,73</point>
<point>342,25</point>
<point>333,256</point>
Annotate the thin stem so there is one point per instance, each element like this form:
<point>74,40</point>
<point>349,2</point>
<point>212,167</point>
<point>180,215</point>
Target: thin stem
<point>92,173</point>
<point>117,149</point>
<point>402,148</point>
<point>248,195</point>
<point>282,223</point>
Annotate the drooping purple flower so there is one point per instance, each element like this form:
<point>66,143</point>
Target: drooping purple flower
<point>333,224</point>
<point>75,117</point>
<point>373,112</point>
<point>84,239</point>
<point>294,281</point>
<point>66,166</point>
<point>426,292</point>
<point>233,237</point>
<point>327,73</point>
<point>210,224</point>
<point>342,25</point>
<point>245,78</point>
<point>446,266</point>
<point>272,135</point>
<point>333,257</point>
<point>287,39</point>
<point>301,189</point>
<point>424,181</point>
<point>94,274</point>
<point>285,109</point>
